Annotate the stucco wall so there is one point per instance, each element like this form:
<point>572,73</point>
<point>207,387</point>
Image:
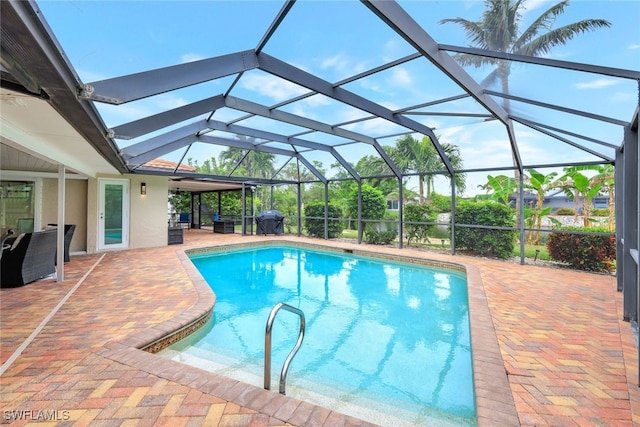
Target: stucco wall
<point>148,225</point>
<point>74,209</point>
<point>148,213</point>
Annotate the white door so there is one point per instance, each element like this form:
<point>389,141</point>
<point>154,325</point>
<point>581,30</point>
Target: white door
<point>113,214</point>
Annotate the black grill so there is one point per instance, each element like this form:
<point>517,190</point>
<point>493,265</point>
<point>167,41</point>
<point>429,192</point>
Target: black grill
<point>269,222</point>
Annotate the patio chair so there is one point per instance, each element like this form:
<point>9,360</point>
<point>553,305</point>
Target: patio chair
<point>31,257</point>
<point>4,238</point>
<point>69,229</point>
<point>184,218</point>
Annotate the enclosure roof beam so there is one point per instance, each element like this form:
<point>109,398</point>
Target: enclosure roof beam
<point>275,24</point>
<point>312,168</point>
<point>566,132</point>
<point>261,110</point>
<point>160,150</point>
<point>574,66</point>
<point>342,82</point>
<point>282,116</point>
<point>120,90</point>
<point>166,138</point>
<point>558,108</point>
<point>264,148</point>
<point>166,118</point>
<point>255,133</point>
<point>177,144</point>
<point>245,145</point>
<point>225,178</point>
<point>566,141</point>
<point>295,75</point>
<point>345,164</point>
<point>404,25</point>
<point>407,110</point>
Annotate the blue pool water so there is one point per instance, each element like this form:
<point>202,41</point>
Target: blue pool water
<point>387,335</point>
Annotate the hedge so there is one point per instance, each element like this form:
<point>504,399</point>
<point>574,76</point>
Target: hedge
<point>485,242</point>
<point>588,252</point>
<point>315,226</point>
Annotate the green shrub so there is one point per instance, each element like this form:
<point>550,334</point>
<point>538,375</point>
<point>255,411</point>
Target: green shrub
<point>485,242</point>
<point>565,211</point>
<point>583,251</point>
<point>418,213</point>
<point>380,237</point>
<point>600,212</point>
<point>315,225</point>
<point>440,203</point>
<point>374,205</point>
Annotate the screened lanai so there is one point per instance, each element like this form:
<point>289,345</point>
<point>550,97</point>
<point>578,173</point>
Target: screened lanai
<point>320,86</point>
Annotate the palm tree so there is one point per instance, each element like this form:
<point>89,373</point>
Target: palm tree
<point>499,30</point>
<point>255,164</point>
<point>421,156</point>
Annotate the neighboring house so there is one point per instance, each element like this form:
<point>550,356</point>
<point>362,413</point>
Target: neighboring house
<point>558,199</point>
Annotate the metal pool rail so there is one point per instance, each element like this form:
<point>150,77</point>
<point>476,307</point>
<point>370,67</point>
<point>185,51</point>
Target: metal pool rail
<point>267,345</point>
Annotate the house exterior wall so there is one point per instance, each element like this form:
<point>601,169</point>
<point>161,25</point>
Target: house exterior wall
<point>147,216</point>
<point>148,219</point>
<point>74,209</point>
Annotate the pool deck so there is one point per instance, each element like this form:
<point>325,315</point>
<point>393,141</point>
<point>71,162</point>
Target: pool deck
<point>550,346</point>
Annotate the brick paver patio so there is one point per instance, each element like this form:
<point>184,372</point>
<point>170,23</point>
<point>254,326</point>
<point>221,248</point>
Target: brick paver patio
<point>549,346</point>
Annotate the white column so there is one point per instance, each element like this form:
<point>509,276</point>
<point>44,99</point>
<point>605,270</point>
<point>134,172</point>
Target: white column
<point>60,239</point>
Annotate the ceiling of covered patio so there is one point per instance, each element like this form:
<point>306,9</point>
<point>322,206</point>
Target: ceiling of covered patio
<point>266,77</point>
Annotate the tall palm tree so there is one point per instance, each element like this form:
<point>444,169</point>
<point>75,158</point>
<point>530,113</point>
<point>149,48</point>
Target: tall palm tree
<point>255,164</point>
<point>421,156</point>
<point>499,30</point>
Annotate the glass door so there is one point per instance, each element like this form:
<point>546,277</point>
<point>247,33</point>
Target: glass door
<point>113,215</point>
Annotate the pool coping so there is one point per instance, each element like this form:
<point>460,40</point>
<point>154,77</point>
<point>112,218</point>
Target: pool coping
<point>494,400</point>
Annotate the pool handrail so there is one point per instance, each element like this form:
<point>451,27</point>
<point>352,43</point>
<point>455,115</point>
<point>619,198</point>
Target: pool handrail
<point>267,345</point>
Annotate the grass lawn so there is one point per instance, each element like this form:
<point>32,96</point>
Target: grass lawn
<point>529,250</point>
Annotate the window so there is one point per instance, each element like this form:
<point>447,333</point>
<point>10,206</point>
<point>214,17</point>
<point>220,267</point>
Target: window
<point>17,206</point>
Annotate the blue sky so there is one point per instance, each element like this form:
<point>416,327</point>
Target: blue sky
<point>337,39</point>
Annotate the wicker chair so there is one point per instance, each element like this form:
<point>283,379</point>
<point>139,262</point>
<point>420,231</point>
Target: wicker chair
<point>31,257</point>
<point>68,235</point>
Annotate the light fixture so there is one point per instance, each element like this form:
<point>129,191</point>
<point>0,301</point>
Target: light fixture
<point>143,188</point>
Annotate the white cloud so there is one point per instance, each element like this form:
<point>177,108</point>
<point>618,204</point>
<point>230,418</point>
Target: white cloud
<point>634,46</point>
<point>342,64</point>
<point>620,97</point>
<point>534,4</point>
<point>338,61</point>
<point>401,77</point>
<point>316,100</point>
<point>191,57</point>
<point>596,84</point>
<point>272,86</point>
<point>390,49</point>
<point>167,101</point>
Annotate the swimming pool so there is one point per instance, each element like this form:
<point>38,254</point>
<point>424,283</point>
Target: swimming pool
<point>383,338</point>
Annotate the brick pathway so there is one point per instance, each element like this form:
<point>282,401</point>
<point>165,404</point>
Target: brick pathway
<point>557,334</point>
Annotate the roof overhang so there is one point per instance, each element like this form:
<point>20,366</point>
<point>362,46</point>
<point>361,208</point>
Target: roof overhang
<point>41,113</point>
